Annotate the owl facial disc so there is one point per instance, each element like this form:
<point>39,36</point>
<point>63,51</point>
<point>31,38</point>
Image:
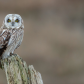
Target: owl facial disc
<point>13,21</point>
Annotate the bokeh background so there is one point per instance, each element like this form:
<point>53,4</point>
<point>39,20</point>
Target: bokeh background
<point>53,40</point>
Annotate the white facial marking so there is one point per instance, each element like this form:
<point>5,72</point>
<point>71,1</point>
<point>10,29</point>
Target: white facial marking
<point>10,21</point>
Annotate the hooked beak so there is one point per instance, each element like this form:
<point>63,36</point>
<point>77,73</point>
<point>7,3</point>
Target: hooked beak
<point>13,23</point>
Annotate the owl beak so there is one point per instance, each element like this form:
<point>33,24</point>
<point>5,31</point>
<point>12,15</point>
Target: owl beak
<point>12,23</point>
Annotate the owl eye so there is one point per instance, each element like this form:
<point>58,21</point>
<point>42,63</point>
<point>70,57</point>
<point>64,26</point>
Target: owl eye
<point>16,20</point>
<point>8,20</point>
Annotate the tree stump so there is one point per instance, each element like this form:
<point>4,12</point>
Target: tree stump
<point>17,71</point>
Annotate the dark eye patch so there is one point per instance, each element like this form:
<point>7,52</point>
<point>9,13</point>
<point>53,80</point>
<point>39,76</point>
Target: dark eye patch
<point>17,20</point>
<point>8,20</point>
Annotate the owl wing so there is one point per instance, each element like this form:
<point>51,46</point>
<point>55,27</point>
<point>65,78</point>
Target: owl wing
<point>4,38</point>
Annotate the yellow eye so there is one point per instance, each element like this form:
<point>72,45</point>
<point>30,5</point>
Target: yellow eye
<point>8,20</point>
<point>16,20</point>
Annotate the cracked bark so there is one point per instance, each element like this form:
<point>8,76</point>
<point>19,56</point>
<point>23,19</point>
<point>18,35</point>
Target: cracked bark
<point>17,72</point>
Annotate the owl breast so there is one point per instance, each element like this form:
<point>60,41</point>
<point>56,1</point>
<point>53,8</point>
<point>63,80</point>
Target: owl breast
<point>9,41</point>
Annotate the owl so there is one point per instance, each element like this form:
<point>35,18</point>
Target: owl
<point>11,34</point>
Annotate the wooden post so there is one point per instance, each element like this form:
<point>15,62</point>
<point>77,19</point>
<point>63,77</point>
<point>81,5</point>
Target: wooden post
<point>17,71</point>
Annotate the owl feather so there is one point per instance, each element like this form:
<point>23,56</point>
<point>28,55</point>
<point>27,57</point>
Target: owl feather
<point>11,36</point>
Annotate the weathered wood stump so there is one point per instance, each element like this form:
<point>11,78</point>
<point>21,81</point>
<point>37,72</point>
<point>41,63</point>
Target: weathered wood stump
<point>17,71</point>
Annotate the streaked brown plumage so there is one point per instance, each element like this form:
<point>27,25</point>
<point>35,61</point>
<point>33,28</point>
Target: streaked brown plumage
<point>10,37</point>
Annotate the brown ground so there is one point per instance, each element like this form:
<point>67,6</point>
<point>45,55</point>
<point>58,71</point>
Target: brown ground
<point>53,40</point>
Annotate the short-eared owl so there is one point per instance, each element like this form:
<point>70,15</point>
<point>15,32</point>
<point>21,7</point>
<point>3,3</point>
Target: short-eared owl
<point>11,34</point>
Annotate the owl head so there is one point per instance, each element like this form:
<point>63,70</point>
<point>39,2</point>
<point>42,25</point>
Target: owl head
<point>13,21</point>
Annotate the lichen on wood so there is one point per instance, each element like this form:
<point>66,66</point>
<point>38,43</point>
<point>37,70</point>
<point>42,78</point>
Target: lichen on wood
<point>17,71</point>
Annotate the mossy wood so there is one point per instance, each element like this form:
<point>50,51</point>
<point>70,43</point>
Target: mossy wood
<point>17,71</point>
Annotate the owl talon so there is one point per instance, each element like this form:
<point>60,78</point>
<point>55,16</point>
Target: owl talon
<point>12,54</point>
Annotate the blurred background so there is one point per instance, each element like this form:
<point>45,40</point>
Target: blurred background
<point>53,40</point>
